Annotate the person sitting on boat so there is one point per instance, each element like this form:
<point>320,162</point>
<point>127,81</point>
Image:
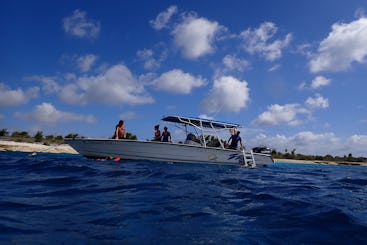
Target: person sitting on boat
<point>120,131</point>
<point>157,133</point>
<point>191,139</point>
<point>234,139</point>
<point>233,131</point>
<point>166,135</point>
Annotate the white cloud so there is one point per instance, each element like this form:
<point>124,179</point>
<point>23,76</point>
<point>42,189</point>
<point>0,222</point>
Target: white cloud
<point>274,68</point>
<point>195,36</point>
<point>304,49</point>
<point>278,114</point>
<point>320,81</point>
<point>317,102</point>
<point>48,114</point>
<point>302,86</point>
<point>205,116</point>
<point>228,94</point>
<point>177,81</point>
<point>116,85</point>
<point>316,83</point>
<point>345,44</point>
<point>9,97</point>
<point>163,18</point>
<point>356,144</point>
<point>146,55</point>
<point>78,25</point>
<point>86,62</point>
<point>49,84</point>
<point>257,41</point>
<point>232,63</point>
<point>150,62</point>
<point>314,144</point>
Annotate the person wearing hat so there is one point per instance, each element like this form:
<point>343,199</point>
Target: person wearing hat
<point>157,133</point>
<point>166,135</point>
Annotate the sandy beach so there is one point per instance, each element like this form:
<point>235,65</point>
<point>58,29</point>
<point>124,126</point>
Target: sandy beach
<point>34,147</point>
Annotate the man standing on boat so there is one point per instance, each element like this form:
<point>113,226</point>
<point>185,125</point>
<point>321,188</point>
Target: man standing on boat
<point>234,139</point>
<point>166,135</point>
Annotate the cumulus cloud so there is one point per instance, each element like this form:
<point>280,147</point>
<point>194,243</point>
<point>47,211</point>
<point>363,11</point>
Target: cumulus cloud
<point>15,97</point>
<point>86,62</point>
<point>317,102</point>
<point>150,62</point>
<point>320,81</point>
<point>116,85</point>
<point>177,81</point>
<point>232,63</point>
<point>356,144</point>
<point>281,114</point>
<point>146,55</point>
<point>314,144</point>
<point>316,83</point>
<point>79,25</point>
<point>345,44</point>
<point>195,36</point>
<point>228,94</point>
<point>258,41</point>
<point>161,21</point>
<point>48,114</point>
<point>49,83</point>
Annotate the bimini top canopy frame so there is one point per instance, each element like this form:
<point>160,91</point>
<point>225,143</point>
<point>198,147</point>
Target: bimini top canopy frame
<point>200,122</point>
<point>202,125</point>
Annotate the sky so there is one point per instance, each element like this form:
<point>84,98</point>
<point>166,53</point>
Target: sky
<point>292,73</point>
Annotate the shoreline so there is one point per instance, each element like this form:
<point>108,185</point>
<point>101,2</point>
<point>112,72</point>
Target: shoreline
<point>6,145</point>
<point>35,147</point>
<point>320,162</point>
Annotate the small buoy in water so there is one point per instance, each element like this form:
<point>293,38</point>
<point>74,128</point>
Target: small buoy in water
<point>117,159</point>
<point>32,154</point>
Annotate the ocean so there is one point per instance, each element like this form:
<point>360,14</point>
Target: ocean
<point>68,199</point>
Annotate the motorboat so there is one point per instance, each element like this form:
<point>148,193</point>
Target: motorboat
<point>197,148</point>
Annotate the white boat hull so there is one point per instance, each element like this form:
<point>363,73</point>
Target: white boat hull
<point>161,151</point>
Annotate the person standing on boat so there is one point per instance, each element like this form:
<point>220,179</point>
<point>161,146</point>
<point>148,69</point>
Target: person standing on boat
<point>166,135</point>
<point>120,131</point>
<point>234,139</point>
<point>157,133</point>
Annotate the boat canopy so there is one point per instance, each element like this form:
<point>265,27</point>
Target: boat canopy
<point>200,122</point>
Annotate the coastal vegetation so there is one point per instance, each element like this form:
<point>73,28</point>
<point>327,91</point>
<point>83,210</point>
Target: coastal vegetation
<point>327,158</point>
<point>39,137</point>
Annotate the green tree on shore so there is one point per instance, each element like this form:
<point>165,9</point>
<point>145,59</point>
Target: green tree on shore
<point>38,136</point>
<point>4,132</point>
<point>131,136</point>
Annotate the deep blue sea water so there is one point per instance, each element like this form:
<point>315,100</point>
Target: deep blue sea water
<point>68,199</point>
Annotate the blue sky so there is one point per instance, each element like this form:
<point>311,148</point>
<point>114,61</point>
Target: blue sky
<point>293,73</point>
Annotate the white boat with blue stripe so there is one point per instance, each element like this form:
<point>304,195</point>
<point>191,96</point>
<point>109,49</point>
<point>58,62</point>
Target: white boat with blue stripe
<point>195,149</point>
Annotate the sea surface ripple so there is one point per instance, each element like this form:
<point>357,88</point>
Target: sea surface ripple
<point>68,199</point>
